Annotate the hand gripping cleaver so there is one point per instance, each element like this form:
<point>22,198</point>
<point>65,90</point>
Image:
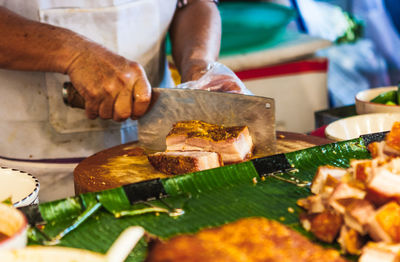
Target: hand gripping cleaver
<point>170,105</point>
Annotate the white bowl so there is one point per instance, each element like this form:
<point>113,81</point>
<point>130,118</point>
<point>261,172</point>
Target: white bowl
<point>364,106</point>
<point>23,188</point>
<point>14,225</point>
<point>355,126</point>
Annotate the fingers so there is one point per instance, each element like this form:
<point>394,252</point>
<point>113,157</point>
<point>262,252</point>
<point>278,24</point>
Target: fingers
<point>223,83</point>
<point>134,100</point>
<point>114,94</point>
<point>123,105</point>
<point>92,104</point>
<point>141,97</point>
<point>106,108</point>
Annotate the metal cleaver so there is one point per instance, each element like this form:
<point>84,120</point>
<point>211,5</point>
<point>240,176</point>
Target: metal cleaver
<point>170,105</point>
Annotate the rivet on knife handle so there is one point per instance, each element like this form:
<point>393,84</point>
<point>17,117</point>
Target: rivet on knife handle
<point>71,97</point>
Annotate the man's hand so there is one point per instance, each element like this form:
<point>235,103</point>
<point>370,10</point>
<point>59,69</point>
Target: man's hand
<point>213,82</point>
<point>223,83</point>
<point>113,87</point>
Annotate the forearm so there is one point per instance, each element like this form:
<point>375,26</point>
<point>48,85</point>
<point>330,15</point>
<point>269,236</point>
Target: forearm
<point>196,37</point>
<point>33,46</point>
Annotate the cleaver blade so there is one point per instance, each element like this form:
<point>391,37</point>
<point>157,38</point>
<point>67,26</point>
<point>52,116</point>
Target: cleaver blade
<point>171,105</point>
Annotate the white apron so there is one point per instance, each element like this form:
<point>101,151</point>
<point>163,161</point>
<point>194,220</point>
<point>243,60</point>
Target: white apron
<point>34,122</point>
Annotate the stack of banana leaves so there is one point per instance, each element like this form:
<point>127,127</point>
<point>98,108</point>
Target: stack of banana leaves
<point>267,187</point>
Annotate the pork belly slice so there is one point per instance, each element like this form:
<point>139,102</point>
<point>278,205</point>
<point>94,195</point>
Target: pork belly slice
<point>234,144</point>
<point>362,169</point>
<point>350,240</point>
<point>325,226</point>
<point>182,162</point>
<point>381,150</point>
<point>334,174</point>
<point>385,225</point>
<point>376,149</point>
<point>393,165</point>
<point>383,186</point>
<point>357,215</point>
<point>313,204</point>
<point>343,195</point>
<point>392,139</point>
<point>382,252</point>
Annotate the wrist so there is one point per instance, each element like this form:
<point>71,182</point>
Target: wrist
<point>72,50</point>
<point>195,69</point>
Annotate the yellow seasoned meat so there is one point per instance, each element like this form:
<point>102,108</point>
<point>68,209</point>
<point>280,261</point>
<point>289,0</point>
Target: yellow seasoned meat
<point>249,239</point>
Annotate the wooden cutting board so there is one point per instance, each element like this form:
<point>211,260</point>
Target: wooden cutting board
<point>127,163</point>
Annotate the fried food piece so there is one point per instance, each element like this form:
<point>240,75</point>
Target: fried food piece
<point>234,144</point>
<point>350,240</point>
<point>325,225</point>
<point>326,174</point>
<point>385,225</point>
<point>249,239</point>
<point>393,137</point>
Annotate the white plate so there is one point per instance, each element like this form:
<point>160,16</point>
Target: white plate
<point>355,126</point>
<point>23,188</point>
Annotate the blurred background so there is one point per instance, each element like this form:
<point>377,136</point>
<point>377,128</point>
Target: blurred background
<point>311,55</point>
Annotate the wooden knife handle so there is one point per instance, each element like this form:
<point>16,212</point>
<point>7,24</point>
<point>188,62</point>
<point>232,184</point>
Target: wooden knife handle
<point>71,96</point>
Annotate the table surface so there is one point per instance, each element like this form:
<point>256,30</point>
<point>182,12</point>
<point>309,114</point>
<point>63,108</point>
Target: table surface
<point>127,163</point>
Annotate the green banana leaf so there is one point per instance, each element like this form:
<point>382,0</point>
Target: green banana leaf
<point>209,198</point>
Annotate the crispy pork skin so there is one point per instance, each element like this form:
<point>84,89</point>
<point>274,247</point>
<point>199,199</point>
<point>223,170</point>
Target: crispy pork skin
<point>313,204</point>
<point>392,139</point>
<point>385,225</point>
<point>376,149</point>
<point>350,240</point>
<point>182,162</point>
<point>321,177</point>
<point>382,252</point>
<point>357,215</point>
<point>383,186</point>
<point>233,143</point>
<point>249,239</point>
<point>367,198</point>
<point>325,225</point>
<point>361,169</point>
<point>343,195</point>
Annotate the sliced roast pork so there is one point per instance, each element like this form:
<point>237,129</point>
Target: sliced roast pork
<point>343,195</point>
<point>234,144</point>
<point>182,162</point>
<point>350,240</point>
<point>357,215</point>
<point>383,186</point>
<point>385,225</point>
<point>392,139</point>
<point>313,204</point>
<point>325,225</point>
<point>327,176</point>
<point>361,169</point>
<point>381,252</point>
